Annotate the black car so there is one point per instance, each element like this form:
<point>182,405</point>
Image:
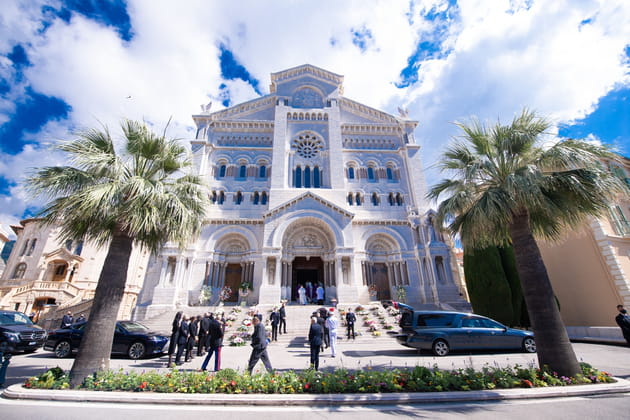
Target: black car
<point>443,331</point>
<point>18,333</point>
<point>130,338</point>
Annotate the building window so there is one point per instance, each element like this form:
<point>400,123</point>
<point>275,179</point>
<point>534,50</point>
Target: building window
<point>79,248</point>
<point>391,199</point>
<point>24,248</point>
<point>242,172</point>
<point>263,198</point>
<point>60,270</point>
<point>370,174</point>
<point>31,248</point>
<point>357,199</point>
<point>399,199</point>
<point>262,172</point>
<point>390,174</point>
<point>256,198</point>
<point>69,245</point>
<point>298,177</point>
<point>619,221</point>
<point>316,173</point>
<point>238,198</point>
<point>350,199</point>
<point>222,170</point>
<point>213,197</point>
<point>307,146</point>
<point>375,199</point>
<point>221,198</point>
<point>307,177</point>
<point>351,173</point>
<point>19,271</point>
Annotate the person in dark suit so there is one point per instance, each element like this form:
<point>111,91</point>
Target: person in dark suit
<point>66,321</point>
<point>215,342</point>
<point>275,320</point>
<point>283,319</point>
<point>182,340</point>
<point>193,328</point>
<point>321,322</point>
<point>204,325</point>
<point>172,345</point>
<point>259,347</point>
<point>315,340</point>
<point>351,318</point>
<point>623,320</point>
<point>323,313</point>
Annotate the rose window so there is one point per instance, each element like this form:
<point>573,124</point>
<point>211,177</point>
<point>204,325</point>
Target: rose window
<point>307,146</point>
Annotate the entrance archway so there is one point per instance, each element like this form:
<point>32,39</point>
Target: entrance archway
<point>306,270</point>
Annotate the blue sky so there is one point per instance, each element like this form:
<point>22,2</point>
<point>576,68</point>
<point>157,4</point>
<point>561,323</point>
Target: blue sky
<point>65,65</point>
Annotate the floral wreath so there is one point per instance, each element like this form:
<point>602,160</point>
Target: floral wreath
<point>225,294</point>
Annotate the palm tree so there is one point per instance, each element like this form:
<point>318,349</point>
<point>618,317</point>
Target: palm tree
<point>139,197</point>
<point>508,188</point>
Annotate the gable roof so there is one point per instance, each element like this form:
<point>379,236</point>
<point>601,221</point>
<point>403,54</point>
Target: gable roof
<point>308,196</point>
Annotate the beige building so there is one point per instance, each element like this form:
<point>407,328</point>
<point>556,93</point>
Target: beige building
<point>49,277</point>
<point>589,268</point>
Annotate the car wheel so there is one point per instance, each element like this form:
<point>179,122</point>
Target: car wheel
<point>63,349</point>
<point>529,345</point>
<point>136,351</point>
<point>440,348</point>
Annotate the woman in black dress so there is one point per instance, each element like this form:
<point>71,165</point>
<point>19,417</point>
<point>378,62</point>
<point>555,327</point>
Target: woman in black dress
<point>172,345</point>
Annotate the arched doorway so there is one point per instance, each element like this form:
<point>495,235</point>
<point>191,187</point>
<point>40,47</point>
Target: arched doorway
<point>306,271</point>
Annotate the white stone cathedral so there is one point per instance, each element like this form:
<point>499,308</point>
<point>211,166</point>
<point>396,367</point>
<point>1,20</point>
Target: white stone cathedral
<point>308,187</point>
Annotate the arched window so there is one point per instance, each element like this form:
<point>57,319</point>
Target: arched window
<point>262,172</point>
<point>222,170</point>
<point>390,174</point>
<point>298,177</point>
<point>350,199</point>
<point>31,248</point>
<point>24,248</point>
<point>375,199</point>
<point>316,177</point>
<point>263,199</point>
<point>256,197</point>
<point>357,199</point>
<point>19,271</point>
<point>350,172</point>
<point>221,197</point>
<point>79,248</point>
<point>307,177</point>
<point>213,197</point>
<point>242,171</point>
<point>238,198</point>
<point>399,199</point>
<point>391,199</point>
<point>370,173</point>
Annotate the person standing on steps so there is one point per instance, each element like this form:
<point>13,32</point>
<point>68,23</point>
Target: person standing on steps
<point>324,314</point>
<point>67,320</point>
<point>172,345</point>
<point>350,320</point>
<point>315,340</point>
<point>332,323</point>
<point>302,295</point>
<point>259,347</point>
<point>283,319</point>
<point>275,320</point>
<point>182,340</point>
<point>193,329</point>
<point>320,294</point>
<point>204,325</point>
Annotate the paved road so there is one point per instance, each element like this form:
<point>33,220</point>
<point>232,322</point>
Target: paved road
<point>295,355</point>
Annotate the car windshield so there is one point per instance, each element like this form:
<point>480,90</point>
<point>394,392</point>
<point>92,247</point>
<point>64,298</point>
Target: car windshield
<point>14,318</point>
<point>133,326</point>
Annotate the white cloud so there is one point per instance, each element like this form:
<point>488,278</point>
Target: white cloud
<point>503,56</point>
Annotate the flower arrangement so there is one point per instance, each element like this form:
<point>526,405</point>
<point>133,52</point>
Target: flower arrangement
<point>237,342</point>
<point>359,308</point>
<point>245,287</point>
<point>225,294</point>
<point>372,290</point>
<point>376,333</point>
<point>230,381</point>
<point>205,295</point>
<point>247,322</point>
<point>401,294</point>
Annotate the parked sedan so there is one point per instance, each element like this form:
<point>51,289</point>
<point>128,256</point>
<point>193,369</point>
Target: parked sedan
<point>441,332</point>
<point>130,338</point>
<point>18,334</point>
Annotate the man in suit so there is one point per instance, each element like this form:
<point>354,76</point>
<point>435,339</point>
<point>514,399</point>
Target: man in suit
<point>193,328</point>
<point>323,313</point>
<point>315,340</point>
<point>275,320</point>
<point>215,342</point>
<point>623,320</point>
<point>350,320</point>
<point>204,326</point>
<point>283,319</point>
<point>259,347</point>
<point>66,321</point>
<point>182,340</point>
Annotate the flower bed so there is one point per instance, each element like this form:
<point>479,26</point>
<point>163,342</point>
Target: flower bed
<point>229,381</point>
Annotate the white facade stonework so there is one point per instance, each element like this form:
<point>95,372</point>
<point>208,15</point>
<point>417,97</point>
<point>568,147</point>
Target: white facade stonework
<point>307,185</point>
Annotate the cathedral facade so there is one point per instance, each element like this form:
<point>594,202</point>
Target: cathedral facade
<point>307,187</point>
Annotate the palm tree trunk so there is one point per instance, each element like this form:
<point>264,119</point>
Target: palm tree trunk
<point>96,344</point>
<point>552,342</point>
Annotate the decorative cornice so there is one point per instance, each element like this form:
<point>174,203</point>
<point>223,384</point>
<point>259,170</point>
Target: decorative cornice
<point>296,72</point>
<point>242,109</point>
<point>240,221</point>
<point>381,222</point>
<point>366,111</point>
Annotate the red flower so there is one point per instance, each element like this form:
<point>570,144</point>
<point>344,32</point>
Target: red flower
<point>143,385</point>
<point>528,383</point>
<point>233,383</point>
<point>307,386</point>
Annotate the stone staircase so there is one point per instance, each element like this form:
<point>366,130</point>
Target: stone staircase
<point>298,321</point>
